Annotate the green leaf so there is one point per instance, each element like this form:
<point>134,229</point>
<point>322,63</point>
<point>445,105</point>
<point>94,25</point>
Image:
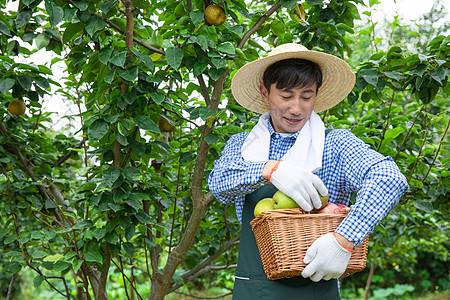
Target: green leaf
<point>143,217</point>
<point>105,54</point>
<point>109,77</point>
<point>134,204</point>
<point>42,41</point>
<point>83,224</point>
<point>81,4</point>
<point>174,57</point>
<point>105,7</point>
<point>112,237</point>
<point>23,18</point>
<point>93,256</point>
<point>4,29</point>
<point>95,24</point>
<point>37,235</point>
<point>76,264</point>
<point>211,139</point>
<point>197,17</point>
<point>394,75</point>
<point>129,74</point>
<point>145,123</point>
<point>438,74</point>
<point>289,4</point>
<point>111,175</point>
<point>53,258</point>
<point>71,31</point>
<point>314,2</point>
<point>148,62</point>
<point>25,82</point>
<point>139,196</point>
<point>61,266</point>
<point>97,129</point>
<point>37,281</point>
<point>369,75</point>
<point>278,28</point>
<point>131,172</point>
<point>42,82</point>
<point>423,205</point>
<point>186,157</point>
<point>228,48</point>
<point>157,97</point>
<point>55,12</point>
<point>38,254</point>
<point>4,232</point>
<point>393,133</point>
<point>6,84</point>
<point>129,249</point>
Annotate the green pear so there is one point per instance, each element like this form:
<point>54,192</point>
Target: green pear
<point>282,201</point>
<point>324,200</point>
<point>262,205</point>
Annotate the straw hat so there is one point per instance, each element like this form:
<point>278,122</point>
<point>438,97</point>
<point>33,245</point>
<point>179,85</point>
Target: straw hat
<point>338,78</point>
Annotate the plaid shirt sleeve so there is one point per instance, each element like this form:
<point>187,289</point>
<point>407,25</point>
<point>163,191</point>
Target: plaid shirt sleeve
<point>232,177</point>
<point>350,166</point>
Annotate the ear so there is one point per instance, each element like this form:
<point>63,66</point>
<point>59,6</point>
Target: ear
<point>264,93</point>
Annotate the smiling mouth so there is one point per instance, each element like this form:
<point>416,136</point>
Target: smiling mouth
<point>293,120</point>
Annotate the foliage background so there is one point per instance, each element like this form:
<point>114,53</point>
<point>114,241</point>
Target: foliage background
<point>110,206</point>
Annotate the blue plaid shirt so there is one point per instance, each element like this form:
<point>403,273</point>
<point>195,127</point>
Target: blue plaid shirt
<point>348,166</point>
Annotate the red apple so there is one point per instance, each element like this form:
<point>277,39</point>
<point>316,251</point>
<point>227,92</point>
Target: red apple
<point>332,208</point>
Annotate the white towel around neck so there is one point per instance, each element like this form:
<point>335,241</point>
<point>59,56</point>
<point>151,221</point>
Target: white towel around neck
<point>306,152</point>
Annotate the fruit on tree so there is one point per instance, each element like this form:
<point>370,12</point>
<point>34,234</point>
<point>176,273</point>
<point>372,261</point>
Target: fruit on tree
<point>262,205</point>
<point>282,201</point>
<point>165,126</point>
<point>215,15</point>
<point>17,107</point>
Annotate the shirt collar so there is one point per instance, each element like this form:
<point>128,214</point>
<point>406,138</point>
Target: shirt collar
<point>273,133</point>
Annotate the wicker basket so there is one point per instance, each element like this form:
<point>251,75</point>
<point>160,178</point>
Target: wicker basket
<point>284,235</point>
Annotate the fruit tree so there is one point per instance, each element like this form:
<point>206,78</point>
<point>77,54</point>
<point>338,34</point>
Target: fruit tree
<point>115,204</point>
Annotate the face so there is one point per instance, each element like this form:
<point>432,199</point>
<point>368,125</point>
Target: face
<point>290,108</point>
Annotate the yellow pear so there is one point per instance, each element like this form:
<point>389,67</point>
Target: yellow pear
<point>17,107</point>
<point>215,15</point>
<point>262,205</point>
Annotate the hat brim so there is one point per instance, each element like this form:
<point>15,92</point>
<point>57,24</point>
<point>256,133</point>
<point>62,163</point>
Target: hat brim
<point>337,80</point>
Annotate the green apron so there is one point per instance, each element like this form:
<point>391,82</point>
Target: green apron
<point>251,282</point>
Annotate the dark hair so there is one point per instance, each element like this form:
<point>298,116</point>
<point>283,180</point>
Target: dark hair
<point>291,73</point>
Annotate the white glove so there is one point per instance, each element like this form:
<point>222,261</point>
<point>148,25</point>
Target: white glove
<point>299,184</point>
<point>326,259</point>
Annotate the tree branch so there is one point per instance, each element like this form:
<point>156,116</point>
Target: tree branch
<point>202,297</point>
<point>258,24</point>
<point>437,152</point>
<point>70,153</point>
<point>136,40</point>
<point>204,89</point>
<point>204,266</point>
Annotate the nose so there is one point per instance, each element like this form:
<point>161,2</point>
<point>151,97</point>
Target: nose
<point>296,107</point>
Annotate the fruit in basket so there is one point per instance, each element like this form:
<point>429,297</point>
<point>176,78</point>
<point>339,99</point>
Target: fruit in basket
<point>332,208</point>
<point>345,208</point>
<point>324,199</point>
<point>282,201</point>
<point>262,205</point>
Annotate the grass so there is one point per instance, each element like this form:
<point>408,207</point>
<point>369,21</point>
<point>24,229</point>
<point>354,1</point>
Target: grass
<point>217,293</point>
